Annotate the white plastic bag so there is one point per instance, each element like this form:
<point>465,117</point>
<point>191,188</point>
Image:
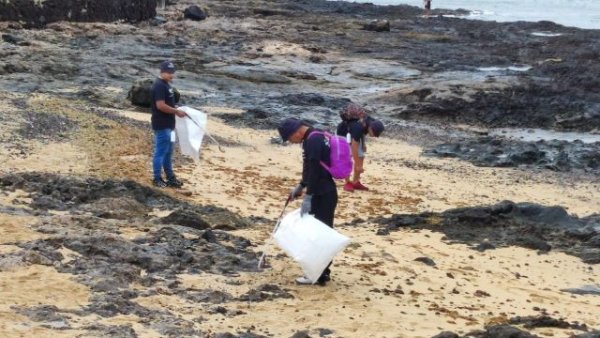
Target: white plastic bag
<point>190,133</point>
<point>309,242</point>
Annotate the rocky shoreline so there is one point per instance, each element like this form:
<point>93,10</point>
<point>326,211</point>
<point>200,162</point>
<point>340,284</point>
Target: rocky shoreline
<point>440,83</point>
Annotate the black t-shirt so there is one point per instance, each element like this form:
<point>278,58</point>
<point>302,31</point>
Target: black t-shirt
<point>354,127</point>
<point>315,177</point>
<point>161,90</point>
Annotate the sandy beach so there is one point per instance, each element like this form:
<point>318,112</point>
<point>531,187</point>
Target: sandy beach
<point>378,289</point>
<point>466,231</point>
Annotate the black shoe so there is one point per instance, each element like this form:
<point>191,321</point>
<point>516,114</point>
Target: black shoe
<point>159,183</point>
<point>174,183</point>
<point>323,280</point>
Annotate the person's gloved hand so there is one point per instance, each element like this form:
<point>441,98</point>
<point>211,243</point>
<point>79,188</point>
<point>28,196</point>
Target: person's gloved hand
<point>306,205</point>
<point>296,192</point>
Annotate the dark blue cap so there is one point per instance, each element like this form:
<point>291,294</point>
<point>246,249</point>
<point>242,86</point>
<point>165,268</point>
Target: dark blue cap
<point>287,127</point>
<point>167,67</point>
<point>376,126</point>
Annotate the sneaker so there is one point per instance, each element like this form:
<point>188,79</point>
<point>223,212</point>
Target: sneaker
<point>360,186</point>
<point>303,281</point>
<point>349,187</point>
<point>174,183</point>
<point>159,183</point>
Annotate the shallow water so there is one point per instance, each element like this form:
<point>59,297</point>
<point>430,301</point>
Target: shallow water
<point>534,135</point>
<point>574,13</point>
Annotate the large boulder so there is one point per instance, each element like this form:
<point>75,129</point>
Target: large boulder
<point>139,94</point>
<point>35,13</point>
<point>377,26</point>
<point>194,13</point>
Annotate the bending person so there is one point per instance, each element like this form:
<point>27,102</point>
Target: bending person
<point>355,126</point>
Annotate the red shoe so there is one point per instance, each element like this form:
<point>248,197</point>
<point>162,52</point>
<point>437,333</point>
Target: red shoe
<point>359,186</point>
<point>349,187</point>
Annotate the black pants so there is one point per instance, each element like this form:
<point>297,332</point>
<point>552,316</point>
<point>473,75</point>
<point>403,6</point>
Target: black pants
<point>323,207</point>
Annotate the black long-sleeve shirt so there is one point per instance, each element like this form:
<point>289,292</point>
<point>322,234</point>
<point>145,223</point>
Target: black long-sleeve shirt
<point>315,177</point>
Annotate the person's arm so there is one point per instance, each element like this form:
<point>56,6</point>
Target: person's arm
<point>165,108</point>
<point>312,164</point>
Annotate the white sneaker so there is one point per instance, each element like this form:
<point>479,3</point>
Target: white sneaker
<point>304,281</point>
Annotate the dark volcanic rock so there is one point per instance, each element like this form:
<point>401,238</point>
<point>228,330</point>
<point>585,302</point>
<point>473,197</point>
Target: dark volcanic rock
<point>425,260</point>
<point>139,94</point>
<point>239,335</point>
<point>117,208</point>
<point>108,262</point>
<point>584,290</point>
<point>505,331</point>
<point>207,296</point>
<point>115,303</point>
<point>194,13</point>
<point>315,99</point>
<point>594,241</point>
<point>265,292</point>
<point>527,106</point>
<point>531,322</point>
<point>46,126</point>
<point>35,13</point>
<point>552,155</point>
<point>324,332</point>
<point>301,334</point>
<point>496,331</point>
<point>446,334</point>
<point>115,331</point>
<point>522,224</point>
<point>378,26</point>
<point>187,218</point>
<point>45,313</point>
<point>14,40</point>
<point>116,200</point>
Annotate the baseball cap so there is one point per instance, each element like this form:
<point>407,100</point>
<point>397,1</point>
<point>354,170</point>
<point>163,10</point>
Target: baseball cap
<point>167,67</point>
<point>377,127</point>
<point>287,127</point>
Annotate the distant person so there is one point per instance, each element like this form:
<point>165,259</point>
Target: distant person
<point>355,126</point>
<point>427,6</point>
<point>163,123</point>
<point>321,193</point>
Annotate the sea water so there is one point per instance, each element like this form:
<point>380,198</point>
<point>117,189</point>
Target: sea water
<point>573,13</point>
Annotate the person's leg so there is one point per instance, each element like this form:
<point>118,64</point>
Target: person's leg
<point>359,164</point>
<point>356,184</point>
<point>168,159</point>
<point>172,181</point>
<point>323,208</point>
<point>162,140</point>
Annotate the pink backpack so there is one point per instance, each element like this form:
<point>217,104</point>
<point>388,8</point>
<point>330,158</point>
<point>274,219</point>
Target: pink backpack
<point>340,156</point>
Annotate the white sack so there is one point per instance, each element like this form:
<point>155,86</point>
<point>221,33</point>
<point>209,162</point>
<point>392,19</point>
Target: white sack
<point>190,135</point>
<point>309,242</point>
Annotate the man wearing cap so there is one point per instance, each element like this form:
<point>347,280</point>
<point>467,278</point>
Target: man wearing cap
<point>321,193</point>
<point>163,123</point>
<point>355,131</point>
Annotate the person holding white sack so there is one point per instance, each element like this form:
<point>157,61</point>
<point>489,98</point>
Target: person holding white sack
<point>163,123</point>
<point>321,193</point>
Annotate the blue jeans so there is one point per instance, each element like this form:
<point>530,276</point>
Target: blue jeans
<point>163,152</point>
